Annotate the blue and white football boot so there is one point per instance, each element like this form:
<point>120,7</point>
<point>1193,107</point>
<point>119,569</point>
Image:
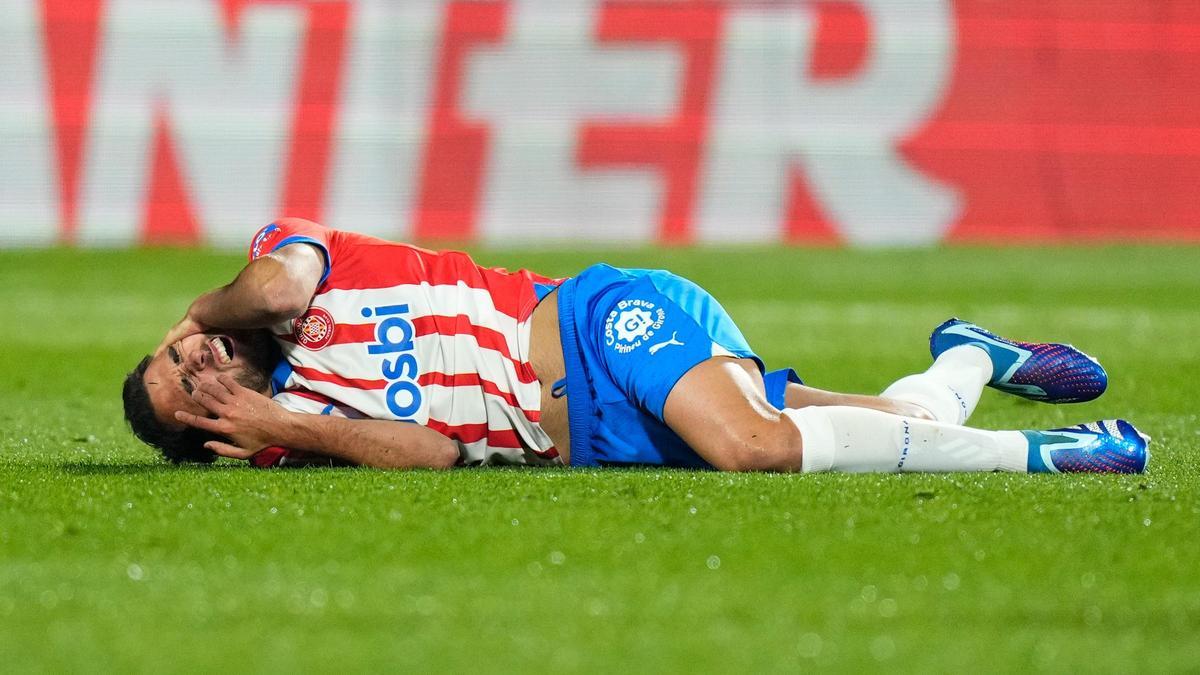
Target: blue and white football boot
<point>1108,446</point>
<point>1040,371</point>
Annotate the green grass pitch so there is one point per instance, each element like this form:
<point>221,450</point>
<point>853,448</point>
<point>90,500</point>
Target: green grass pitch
<point>111,560</point>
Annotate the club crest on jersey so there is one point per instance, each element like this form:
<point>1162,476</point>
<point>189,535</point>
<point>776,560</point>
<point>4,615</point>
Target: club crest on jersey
<point>314,330</point>
<point>631,323</point>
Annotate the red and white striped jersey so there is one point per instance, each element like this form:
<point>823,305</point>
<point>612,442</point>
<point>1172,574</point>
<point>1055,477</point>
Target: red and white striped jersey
<point>396,332</point>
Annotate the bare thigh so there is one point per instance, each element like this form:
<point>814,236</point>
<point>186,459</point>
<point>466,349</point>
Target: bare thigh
<point>720,409</point>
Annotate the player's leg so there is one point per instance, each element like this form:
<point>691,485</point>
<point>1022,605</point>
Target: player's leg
<point>862,440</point>
<point>947,392</point>
<point>950,389</point>
<point>704,384</point>
<point>784,389</point>
<point>842,438</point>
<point>803,396</point>
<point>719,409</point>
<point>967,358</point>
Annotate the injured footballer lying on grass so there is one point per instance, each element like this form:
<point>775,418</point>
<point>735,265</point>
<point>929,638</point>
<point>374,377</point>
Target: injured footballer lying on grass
<point>337,348</point>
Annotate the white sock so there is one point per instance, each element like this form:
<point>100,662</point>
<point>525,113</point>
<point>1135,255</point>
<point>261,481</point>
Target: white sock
<point>856,440</point>
<point>951,388</point>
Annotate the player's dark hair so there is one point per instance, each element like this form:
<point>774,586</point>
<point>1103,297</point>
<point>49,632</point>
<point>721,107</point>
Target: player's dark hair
<point>177,445</point>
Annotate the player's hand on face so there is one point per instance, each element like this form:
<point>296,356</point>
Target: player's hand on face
<point>248,419</point>
<point>185,328</point>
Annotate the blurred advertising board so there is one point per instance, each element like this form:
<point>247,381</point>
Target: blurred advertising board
<point>862,122</point>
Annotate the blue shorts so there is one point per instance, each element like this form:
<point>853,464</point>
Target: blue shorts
<point>628,337</point>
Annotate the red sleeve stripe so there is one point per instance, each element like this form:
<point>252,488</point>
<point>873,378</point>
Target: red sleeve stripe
<point>471,433</point>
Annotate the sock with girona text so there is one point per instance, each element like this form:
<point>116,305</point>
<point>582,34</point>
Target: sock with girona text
<point>856,440</point>
<point>951,388</point>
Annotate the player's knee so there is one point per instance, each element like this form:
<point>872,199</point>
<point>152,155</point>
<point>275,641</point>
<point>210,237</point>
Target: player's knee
<point>772,447</point>
<point>906,409</point>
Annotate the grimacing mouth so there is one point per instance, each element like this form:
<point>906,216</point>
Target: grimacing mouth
<point>223,349</point>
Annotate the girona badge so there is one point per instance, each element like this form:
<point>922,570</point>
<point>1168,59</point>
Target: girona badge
<point>314,330</point>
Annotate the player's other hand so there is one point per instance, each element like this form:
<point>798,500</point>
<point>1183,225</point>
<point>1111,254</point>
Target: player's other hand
<point>185,328</point>
<point>248,419</point>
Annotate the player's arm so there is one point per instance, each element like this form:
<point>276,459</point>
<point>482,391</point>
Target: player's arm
<point>252,422</point>
<point>382,444</point>
<point>269,290</point>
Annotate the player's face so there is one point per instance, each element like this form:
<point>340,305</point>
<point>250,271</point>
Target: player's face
<point>183,367</point>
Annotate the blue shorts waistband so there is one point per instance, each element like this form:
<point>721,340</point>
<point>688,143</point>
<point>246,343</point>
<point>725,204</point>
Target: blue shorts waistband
<point>581,409</point>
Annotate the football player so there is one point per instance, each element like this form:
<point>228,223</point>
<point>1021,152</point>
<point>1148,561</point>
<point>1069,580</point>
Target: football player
<point>336,347</point>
